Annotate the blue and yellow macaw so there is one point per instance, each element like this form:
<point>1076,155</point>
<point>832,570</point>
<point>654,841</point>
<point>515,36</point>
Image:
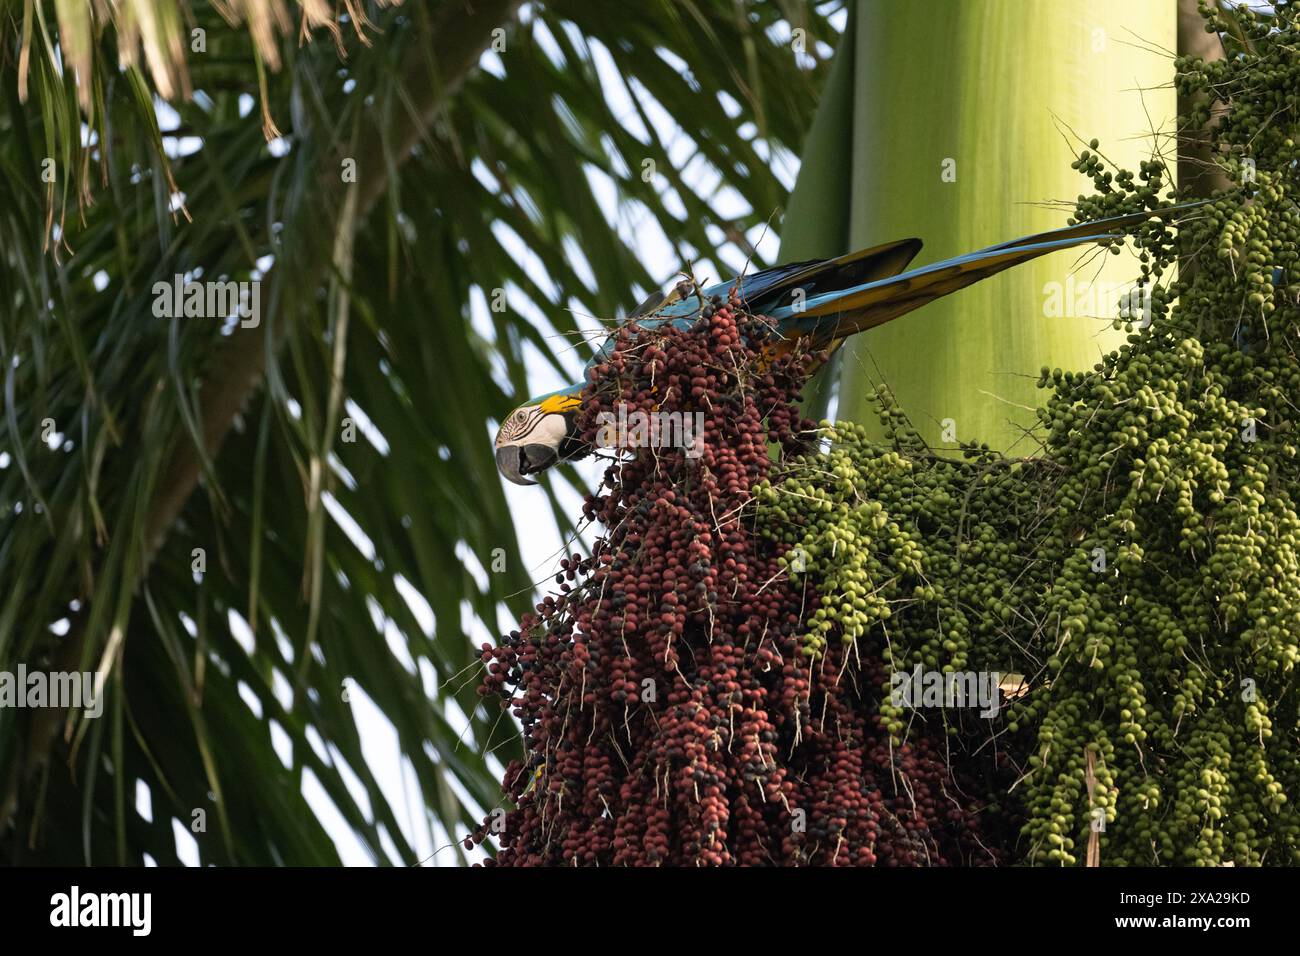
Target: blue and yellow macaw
<point>822,301</point>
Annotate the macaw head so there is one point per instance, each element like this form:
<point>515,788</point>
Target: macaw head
<point>537,434</point>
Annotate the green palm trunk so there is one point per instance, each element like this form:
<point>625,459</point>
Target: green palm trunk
<point>953,122</point>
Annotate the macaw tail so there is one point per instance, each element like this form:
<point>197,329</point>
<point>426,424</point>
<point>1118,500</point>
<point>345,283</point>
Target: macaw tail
<point>834,314</point>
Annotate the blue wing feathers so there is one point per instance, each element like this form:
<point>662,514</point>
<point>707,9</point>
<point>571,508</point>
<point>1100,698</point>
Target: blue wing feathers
<point>867,288</point>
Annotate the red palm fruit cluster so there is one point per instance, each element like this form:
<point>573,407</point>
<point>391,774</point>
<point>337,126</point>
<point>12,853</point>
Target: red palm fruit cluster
<point>669,715</point>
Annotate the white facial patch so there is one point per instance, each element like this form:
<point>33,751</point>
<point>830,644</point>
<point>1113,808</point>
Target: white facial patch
<point>531,426</point>
<point>550,431</point>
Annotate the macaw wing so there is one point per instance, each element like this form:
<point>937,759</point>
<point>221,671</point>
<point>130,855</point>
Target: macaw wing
<point>1095,227</point>
<point>843,312</point>
<point>840,313</point>
<point>773,288</point>
<point>777,286</point>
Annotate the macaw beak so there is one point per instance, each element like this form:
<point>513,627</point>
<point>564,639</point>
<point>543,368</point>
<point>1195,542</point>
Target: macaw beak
<point>516,461</point>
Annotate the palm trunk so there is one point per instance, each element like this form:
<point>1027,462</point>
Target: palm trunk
<point>963,120</point>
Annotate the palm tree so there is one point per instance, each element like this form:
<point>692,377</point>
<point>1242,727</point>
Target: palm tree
<point>251,528</point>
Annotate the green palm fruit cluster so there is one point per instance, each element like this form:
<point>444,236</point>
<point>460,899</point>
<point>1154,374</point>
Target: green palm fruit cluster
<point>923,552</point>
<point>1142,571</point>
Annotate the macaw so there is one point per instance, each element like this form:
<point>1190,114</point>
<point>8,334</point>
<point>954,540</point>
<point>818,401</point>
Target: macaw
<point>823,301</point>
